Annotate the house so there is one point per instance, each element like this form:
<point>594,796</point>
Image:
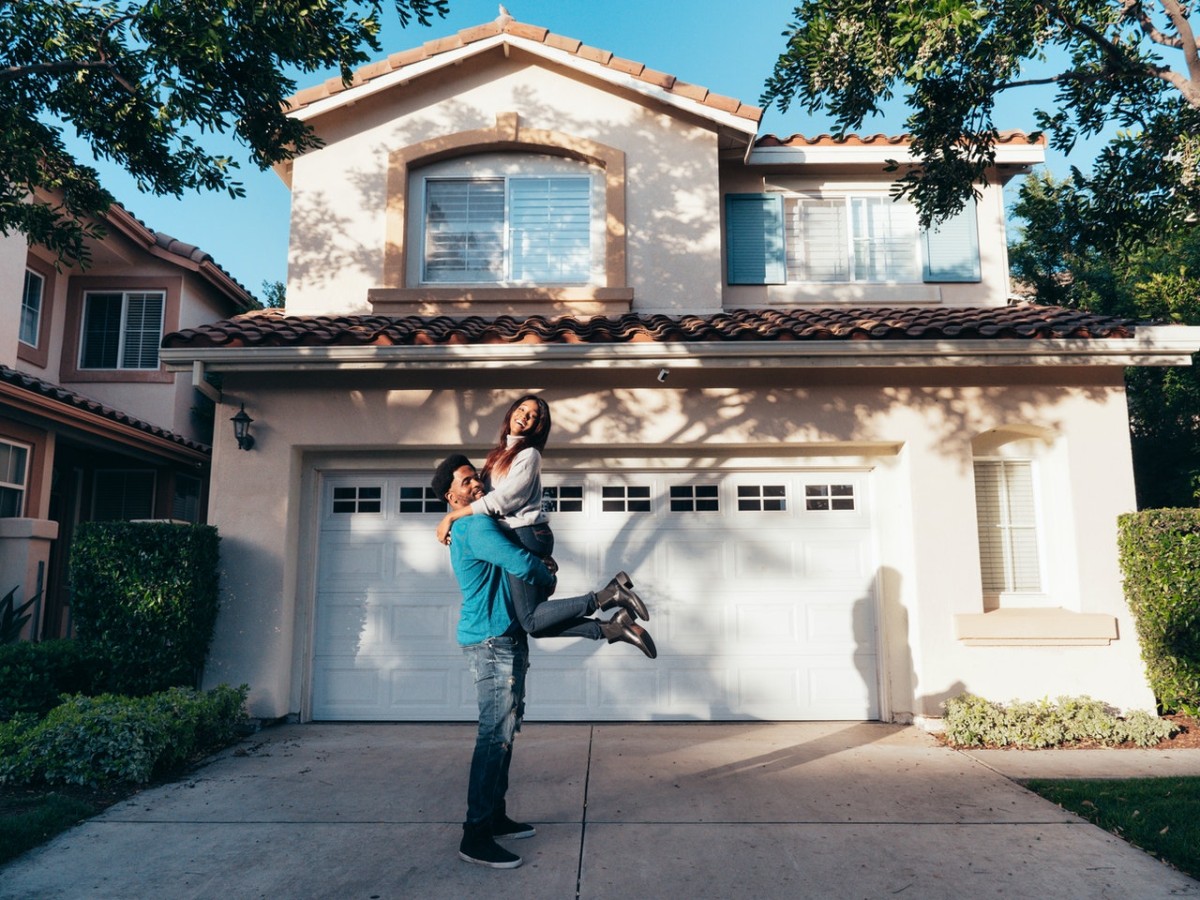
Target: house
<point>92,426</point>
<point>849,476</point>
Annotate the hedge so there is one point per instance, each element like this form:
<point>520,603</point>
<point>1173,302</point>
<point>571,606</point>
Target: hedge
<point>34,677</point>
<point>1160,560</point>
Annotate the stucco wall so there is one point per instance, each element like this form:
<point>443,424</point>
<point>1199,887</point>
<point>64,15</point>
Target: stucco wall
<point>12,283</point>
<point>915,434</point>
<point>339,193</point>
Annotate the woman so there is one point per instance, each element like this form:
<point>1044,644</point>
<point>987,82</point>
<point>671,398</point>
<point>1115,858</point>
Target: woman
<point>512,474</point>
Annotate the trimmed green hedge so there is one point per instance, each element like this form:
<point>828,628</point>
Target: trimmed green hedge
<point>34,677</point>
<point>1160,560</point>
<point>972,721</point>
<point>107,739</point>
<point>145,594</point>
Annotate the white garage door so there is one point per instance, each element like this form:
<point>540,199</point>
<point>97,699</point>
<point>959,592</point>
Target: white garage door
<point>760,587</point>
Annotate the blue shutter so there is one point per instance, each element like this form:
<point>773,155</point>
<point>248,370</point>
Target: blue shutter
<point>754,249</point>
<point>952,247</point>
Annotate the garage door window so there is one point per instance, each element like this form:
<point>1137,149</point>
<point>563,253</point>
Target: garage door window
<point>420,500</point>
<point>359,499</point>
<point>695,498</point>
<point>824,497</point>
<point>762,498</point>
<point>625,498</point>
<point>563,498</point>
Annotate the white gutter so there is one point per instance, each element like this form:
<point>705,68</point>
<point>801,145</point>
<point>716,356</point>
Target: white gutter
<point>877,154</point>
<point>402,76</point>
<point>1171,345</point>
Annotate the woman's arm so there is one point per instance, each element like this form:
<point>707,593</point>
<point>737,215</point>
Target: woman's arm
<point>516,490</point>
<point>443,529</point>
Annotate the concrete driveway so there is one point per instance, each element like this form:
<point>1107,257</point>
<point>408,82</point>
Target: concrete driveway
<point>763,810</point>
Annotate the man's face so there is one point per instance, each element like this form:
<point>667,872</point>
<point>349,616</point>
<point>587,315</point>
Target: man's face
<point>465,488</point>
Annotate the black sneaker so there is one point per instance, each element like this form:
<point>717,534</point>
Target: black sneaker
<point>504,827</point>
<point>480,849</point>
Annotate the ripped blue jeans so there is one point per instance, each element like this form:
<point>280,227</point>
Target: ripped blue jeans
<point>498,666</point>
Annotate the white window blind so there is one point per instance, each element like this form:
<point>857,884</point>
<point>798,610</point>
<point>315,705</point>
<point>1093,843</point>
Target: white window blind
<point>523,229</point>
<point>1007,520</point>
<point>31,307</point>
<point>122,330</point>
<point>856,238</point>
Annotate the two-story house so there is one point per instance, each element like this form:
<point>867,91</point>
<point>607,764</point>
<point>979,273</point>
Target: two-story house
<point>850,478</point>
<point>92,426</point>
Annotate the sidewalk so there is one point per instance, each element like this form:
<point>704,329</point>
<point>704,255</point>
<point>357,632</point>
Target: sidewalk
<point>829,810</point>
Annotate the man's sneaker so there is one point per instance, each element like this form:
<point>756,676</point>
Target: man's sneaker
<point>478,847</point>
<point>504,827</point>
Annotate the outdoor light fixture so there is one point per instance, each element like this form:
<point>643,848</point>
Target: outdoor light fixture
<point>241,429</point>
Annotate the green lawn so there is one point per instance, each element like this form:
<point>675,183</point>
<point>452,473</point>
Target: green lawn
<point>31,816</point>
<point>1158,815</point>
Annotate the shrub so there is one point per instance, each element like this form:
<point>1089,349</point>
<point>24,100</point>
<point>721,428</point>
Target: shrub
<point>972,721</point>
<point>34,677</point>
<point>101,740</point>
<point>146,595</point>
<point>1160,559</point>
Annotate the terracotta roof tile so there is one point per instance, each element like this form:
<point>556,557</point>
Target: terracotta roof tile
<point>868,140</point>
<point>507,25</point>
<point>78,401</point>
<point>273,328</point>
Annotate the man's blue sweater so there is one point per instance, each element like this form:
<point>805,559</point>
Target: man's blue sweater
<point>481,554</point>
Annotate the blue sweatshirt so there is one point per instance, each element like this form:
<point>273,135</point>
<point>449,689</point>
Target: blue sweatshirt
<point>481,555</point>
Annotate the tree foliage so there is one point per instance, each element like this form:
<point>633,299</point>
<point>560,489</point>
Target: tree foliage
<point>147,83</point>
<point>1113,62</point>
<point>1066,254</point>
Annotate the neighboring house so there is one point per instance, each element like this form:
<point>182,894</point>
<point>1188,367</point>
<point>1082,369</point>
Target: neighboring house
<point>849,477</point>
<point>92,427</point>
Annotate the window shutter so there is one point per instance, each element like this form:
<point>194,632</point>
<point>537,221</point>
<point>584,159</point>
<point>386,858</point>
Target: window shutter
<point>952,247</point>
<point>754,247</point>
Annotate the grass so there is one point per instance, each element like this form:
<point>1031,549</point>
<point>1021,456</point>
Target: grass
<point>1157,815</point>
<point>31,816</point>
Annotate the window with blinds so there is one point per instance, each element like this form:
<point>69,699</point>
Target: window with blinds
<point>1006,514</point>
<point>123,494</point>
<point>14,468</point>
<point>508,229</point>
<point>122,330</point>
<point>855,238</point>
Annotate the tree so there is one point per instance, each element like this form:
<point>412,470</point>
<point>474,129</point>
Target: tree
<point>147,83</point>
<point>1066,255</point>
<point>274,294</point>
<point>1124,62</point>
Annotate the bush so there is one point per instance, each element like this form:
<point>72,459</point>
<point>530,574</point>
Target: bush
<point>99,741</point>
<point>145,594</point>
<point>1160,561</point>
<point>34,677</point>
<point>972,721</point>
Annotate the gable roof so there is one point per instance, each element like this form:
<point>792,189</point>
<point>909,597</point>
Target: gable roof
<point>507,32</point>
<point>1025,321</point>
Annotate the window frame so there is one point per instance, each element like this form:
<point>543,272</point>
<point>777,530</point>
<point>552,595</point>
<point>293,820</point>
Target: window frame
<point>80,285</point>
<point>508,167</point>
<point>37,313</point>
<point>21,490</point>
<point>38,354</point>
<point>847,205</point>
<point>125,330</point>
<point>1009,593</point>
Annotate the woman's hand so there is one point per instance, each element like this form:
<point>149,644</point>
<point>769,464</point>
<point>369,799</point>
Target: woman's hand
<point>443,529</point>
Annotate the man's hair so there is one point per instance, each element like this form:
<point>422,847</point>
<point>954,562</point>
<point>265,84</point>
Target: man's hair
<point>443,475</point>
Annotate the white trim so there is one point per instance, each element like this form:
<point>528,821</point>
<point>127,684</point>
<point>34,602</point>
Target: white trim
<point>1169,345</point>
<point>878,154</point>
<point>401,77</point>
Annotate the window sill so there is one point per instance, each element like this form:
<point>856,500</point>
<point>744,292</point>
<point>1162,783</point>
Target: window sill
<point>487,300</point>
<point>1030,627</point>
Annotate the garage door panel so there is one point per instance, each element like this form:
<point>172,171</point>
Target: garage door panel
<point>761,608</point>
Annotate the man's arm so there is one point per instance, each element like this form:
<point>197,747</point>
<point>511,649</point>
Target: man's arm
<point>491,545</point>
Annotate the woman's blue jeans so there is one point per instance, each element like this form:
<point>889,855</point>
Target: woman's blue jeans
<point>498,666</point>
<point>539,615</point>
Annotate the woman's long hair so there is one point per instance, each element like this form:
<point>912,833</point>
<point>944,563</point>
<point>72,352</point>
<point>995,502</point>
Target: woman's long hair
<point>501,456</point>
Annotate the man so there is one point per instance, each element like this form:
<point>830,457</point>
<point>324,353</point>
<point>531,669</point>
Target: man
<point>498,654</point>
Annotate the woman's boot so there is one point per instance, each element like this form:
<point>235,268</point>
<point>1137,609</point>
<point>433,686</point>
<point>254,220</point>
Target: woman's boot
<point>621,627</point>
<point>619,592</point>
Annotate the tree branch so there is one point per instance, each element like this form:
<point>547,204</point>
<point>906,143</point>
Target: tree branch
<point>1187,37</point>
<point>12,73</point>
<point>1133,9</point>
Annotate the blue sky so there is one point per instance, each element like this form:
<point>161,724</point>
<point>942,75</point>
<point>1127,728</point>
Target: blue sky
<point>729,48</point>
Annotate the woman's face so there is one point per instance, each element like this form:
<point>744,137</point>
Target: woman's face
<point>524,418</point>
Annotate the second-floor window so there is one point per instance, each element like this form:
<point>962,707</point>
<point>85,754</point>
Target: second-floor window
<point>509,219</point>
<point>31,307</point>
<point>121,330</point>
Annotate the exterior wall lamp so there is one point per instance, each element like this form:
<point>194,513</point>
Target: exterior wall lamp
<point>241,429</point>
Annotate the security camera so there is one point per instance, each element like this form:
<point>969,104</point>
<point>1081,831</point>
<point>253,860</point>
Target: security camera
<point>663,374</point>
